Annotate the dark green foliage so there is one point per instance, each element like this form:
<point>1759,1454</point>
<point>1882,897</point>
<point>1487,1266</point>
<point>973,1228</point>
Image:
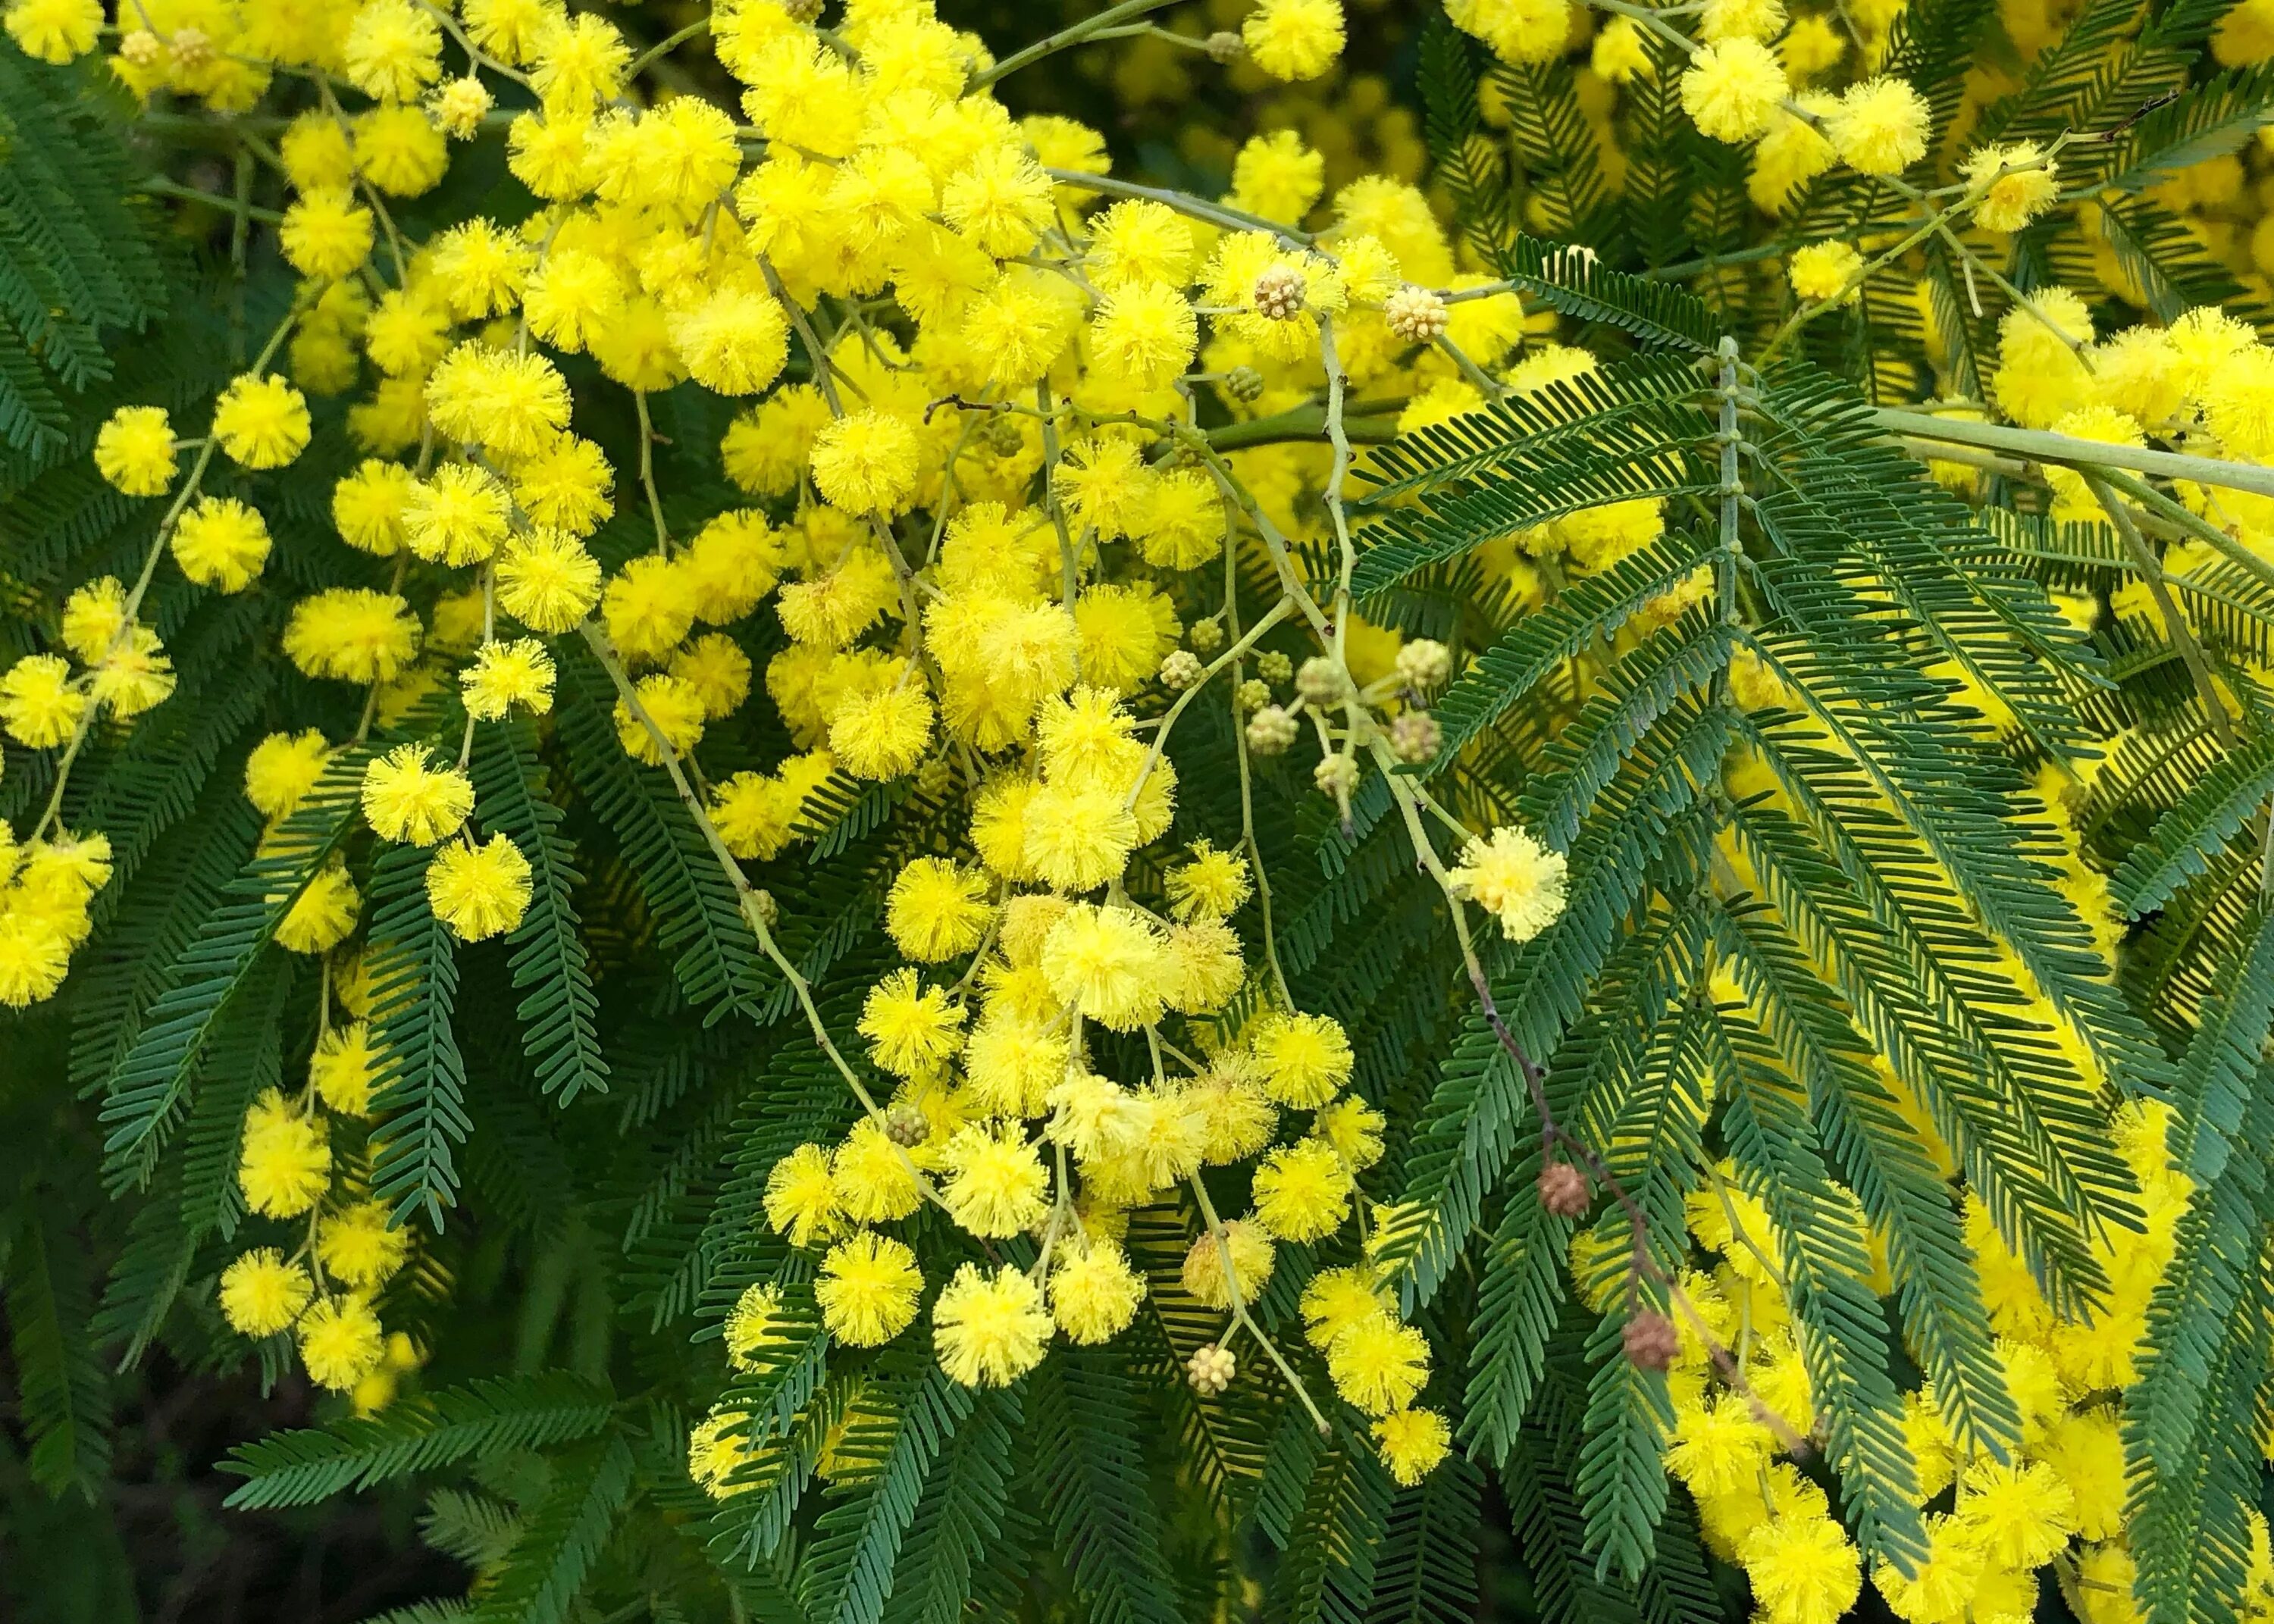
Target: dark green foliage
<point>420,1091</point>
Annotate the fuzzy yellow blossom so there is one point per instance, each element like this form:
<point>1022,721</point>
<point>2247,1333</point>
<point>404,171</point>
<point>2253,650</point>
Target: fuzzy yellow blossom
<point>478,889</point>
<point>989,1329</point>
<point>1731,89</point>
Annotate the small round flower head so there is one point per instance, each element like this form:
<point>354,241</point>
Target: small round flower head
<point>1294,39</point>
<point>1094,1292</point>
<point>34,956</point>
<point>352,634</point>
<point>1378,1364</point>
<point>1210,884</point>
<point>996,1184</point>
<point>406,798</point>
<point>326,234</point>
<point>510,404</point>
<point>547,581</point>
<point>368,506</point>
<point>1411,1442</point>
<point>733,340</point>
<point>393,50</point>
<point>1301,1060</point>
<point>2017,183</point>
<point>285,1162</point>
<point>1802,1567</point>
<point>866,462</point>
<point>261,422</point>
<point>340,1342</point>
<point>134,450</point>
<point>357,1247</point>
<point>504,675</point>
<point>54,31</point>
<point>1140,241</point>
<point>457,106</point>
<point>1143,335</point>
<point>1204,1276</point>
<point>38,705</point>
<point>875,1181</point>
<point>801,1199</point>
<point>323,915</point>
<point>1514,878</point>
<point>999,201</point>
<point>1822,272</point>
<point>1733,89</point>
<point>1881,126</point>
<point>220,543</point>
<point>1109,963</point>
<point>2017,1515</point>
<point>912,1029</point>
<point>868,1290</point>
<point>459,517</point>
<point>261,1294</point>
<point>1516,30</point>
<point>343,1068</point>
<point>936,910</point>
<point>989,1329</point>
<point>754,1322</point>
<point>1211,1369</point>
<point>1302,1191</point>
<point>478,890</point>
<point>882,735</point>
<point>669,717</point>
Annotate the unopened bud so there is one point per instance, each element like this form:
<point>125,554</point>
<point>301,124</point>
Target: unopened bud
<point>1206,637</point>
<point>1424,663</point>
<point>1225,46</point>
<point>1180,669</point>
<point>1210,1369</point>
<point>1243,384</point>
<point>1254,694</point>
<point>801,10</point>
<point>1415,313</point>
<point>1270,730</point>
<point>907,1126</point>
<point>1322,681</point>
<point>1279,292</point>
<point>142,50</point>
<point>935,778</point>
<point>191,48</point>
<point>763,900</point>
<point>1414,736</point>
<point>1003,434</point>
<point>1335,774</point>
<point>459,105</point>
<point>1273,667</point>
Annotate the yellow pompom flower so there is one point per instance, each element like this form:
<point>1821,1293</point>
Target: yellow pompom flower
<point>912,1029</point>
<point>1516,30</point>
<point>1377,1365</point>
<point>134,450</point>
<point>480,268</point>
<point>1514,878</point>
<point>989,1330</point>
<point>996,1184</point>
<point>326,233</point>
<point>404,799</point>
<point>1732,89</point>
<point>285,1164</point>
<point>752,1324</point>
<point>868,1290</point>
<point>668,707</point>
<point>801,1199</point>
<point>1825,271</point>
<point>458,517</point>
<point>547,581</point>
<point>340,1342</point>
<point>1302,1191</point>
<point>1881,126</point>
<point>936,910</point>
<point>1294,39</point>
<point>1803,1568</point>
<point>356,1246</point>
<point>281,769</point>
<point>400,150</point>
<point>875,1181</point>
<point>1144,335</point>
<point>1094,1293</point>
<point>220,543</point>
<point>1000,201</point>
<point>1411,1442</point>
<point>54,31</point>
<point>507,675</point>
<point>393,50</point>
<point>882,735</point>
<point>1204,1276</point>
<point>1138,242</point>
<point>352,634</point>
<point>733,341</point>
<point>1301,1060</point>
<point>1210,884</point>
<point>510,404</point>
<point>2017,1515</point>
<point>323,914</point>
<point>866,462</point>
<point>368,506</point>
<point>38,705</point>
<point>649,608</point>
<point>344,1067</point>
<point>2016,182</point>
<point>478,890</point>
<point>1110,963</point>
<point>94,618</point>
<point>261,1294</point>
<point>261,422</point>
<point>716,668</point>
<point>34,956</point>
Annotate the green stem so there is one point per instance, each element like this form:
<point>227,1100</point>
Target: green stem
<point>2039,445</point>
<point>1072,34</point>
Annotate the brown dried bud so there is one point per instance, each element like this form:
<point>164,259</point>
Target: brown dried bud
<point>1650,1340</point>
<point>1564,1189</point>
<point>1279,292</point>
